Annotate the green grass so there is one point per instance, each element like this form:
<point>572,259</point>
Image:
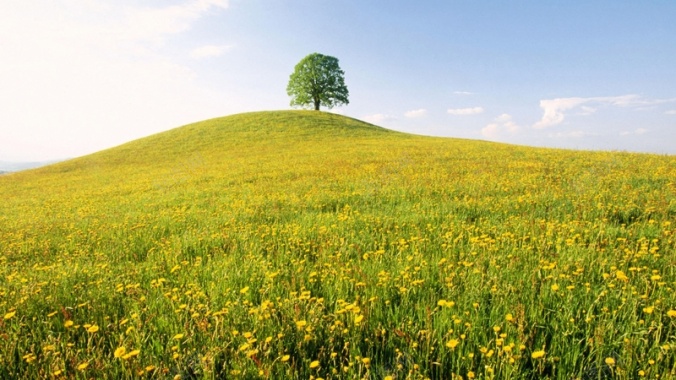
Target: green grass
<point>299,244</point>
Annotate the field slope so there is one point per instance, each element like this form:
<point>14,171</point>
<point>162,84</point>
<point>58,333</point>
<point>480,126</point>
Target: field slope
<point>299,244</point>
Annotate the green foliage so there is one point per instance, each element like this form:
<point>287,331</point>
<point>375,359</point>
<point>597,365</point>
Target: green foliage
<point>302,244</point>
<point>317,80</point>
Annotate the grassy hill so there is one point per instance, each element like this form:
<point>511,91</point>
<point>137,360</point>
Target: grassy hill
<point>298,244</point>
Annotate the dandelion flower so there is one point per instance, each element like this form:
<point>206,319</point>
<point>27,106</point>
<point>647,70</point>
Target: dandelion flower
<point>621,276</point>
<point>131,354</point>
<point>244,290</point>
<point>649,309</point>
<point>452,343</point>
<point>509,317</point>
<point>671,313</point>
<point>120,351</point>
<point>538,354</point>
<point>286,358</point>
<point>83,366</point>
<point>10,315</point>
<point>178,336</point>
<point>93,329</point>
<point>314,364</point>
<point>610,361</point>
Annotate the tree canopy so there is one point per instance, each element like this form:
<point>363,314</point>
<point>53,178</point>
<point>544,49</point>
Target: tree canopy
<point>317,80</point>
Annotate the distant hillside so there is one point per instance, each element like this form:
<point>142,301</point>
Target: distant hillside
<point>12,166</point>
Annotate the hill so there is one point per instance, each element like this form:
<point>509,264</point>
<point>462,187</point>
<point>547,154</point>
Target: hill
<point>293,244</point>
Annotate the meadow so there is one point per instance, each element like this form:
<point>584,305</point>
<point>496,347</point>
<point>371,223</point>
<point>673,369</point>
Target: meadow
<point>307,245</point>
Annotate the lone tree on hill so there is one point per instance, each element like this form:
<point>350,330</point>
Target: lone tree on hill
<point>317,80</point>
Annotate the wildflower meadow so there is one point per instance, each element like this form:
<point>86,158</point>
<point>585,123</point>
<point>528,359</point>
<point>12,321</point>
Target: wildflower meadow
<point>308,245</point>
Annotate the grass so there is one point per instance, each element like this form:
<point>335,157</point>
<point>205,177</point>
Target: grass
<point>301,245</point>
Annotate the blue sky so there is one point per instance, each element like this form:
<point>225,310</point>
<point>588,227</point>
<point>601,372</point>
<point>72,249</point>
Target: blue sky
<point>83,75</point>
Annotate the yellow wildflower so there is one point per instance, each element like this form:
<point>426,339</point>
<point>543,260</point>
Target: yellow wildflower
<point>538,354</point>
<point>131,354</point>
<point>120,351</point>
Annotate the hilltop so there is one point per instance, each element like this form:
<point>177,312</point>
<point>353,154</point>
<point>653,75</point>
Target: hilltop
<point>292,244</point>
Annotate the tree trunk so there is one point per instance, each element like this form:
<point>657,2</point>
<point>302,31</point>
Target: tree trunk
<point>317,105</point>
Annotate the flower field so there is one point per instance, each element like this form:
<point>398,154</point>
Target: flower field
<point>307,245</point>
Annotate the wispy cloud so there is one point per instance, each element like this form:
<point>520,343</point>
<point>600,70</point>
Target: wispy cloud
<point>500,125</point>
<point>465,111</point>
<point>463,93</point>
<point>120,47</point>
<point>572,134</point>
<point>416,113</point>
<point>210,51</point>
<point>145,23</point>
<point>670,112</point>
<point>635,132</point>
<point>378,118</point>
<point>554,110</point>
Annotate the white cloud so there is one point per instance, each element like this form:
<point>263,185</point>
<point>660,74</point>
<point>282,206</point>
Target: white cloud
<point>572,134</point>
<point>670,112</point>
<point>491,131</point>
<point>210,51</point>
<point>555,109</point>
<point>82,75</point>
<point>502,124</point>
<point>378,118</point>
<point>416,113</point>
<point>635,132</point>
<point>153,23</point>
<point>463,93</point>
<point>586,110</point>
<point>465,111</point>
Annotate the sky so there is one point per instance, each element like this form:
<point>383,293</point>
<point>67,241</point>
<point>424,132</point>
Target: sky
<point>79,76</point>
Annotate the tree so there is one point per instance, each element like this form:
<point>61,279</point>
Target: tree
<point>317,80</point>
